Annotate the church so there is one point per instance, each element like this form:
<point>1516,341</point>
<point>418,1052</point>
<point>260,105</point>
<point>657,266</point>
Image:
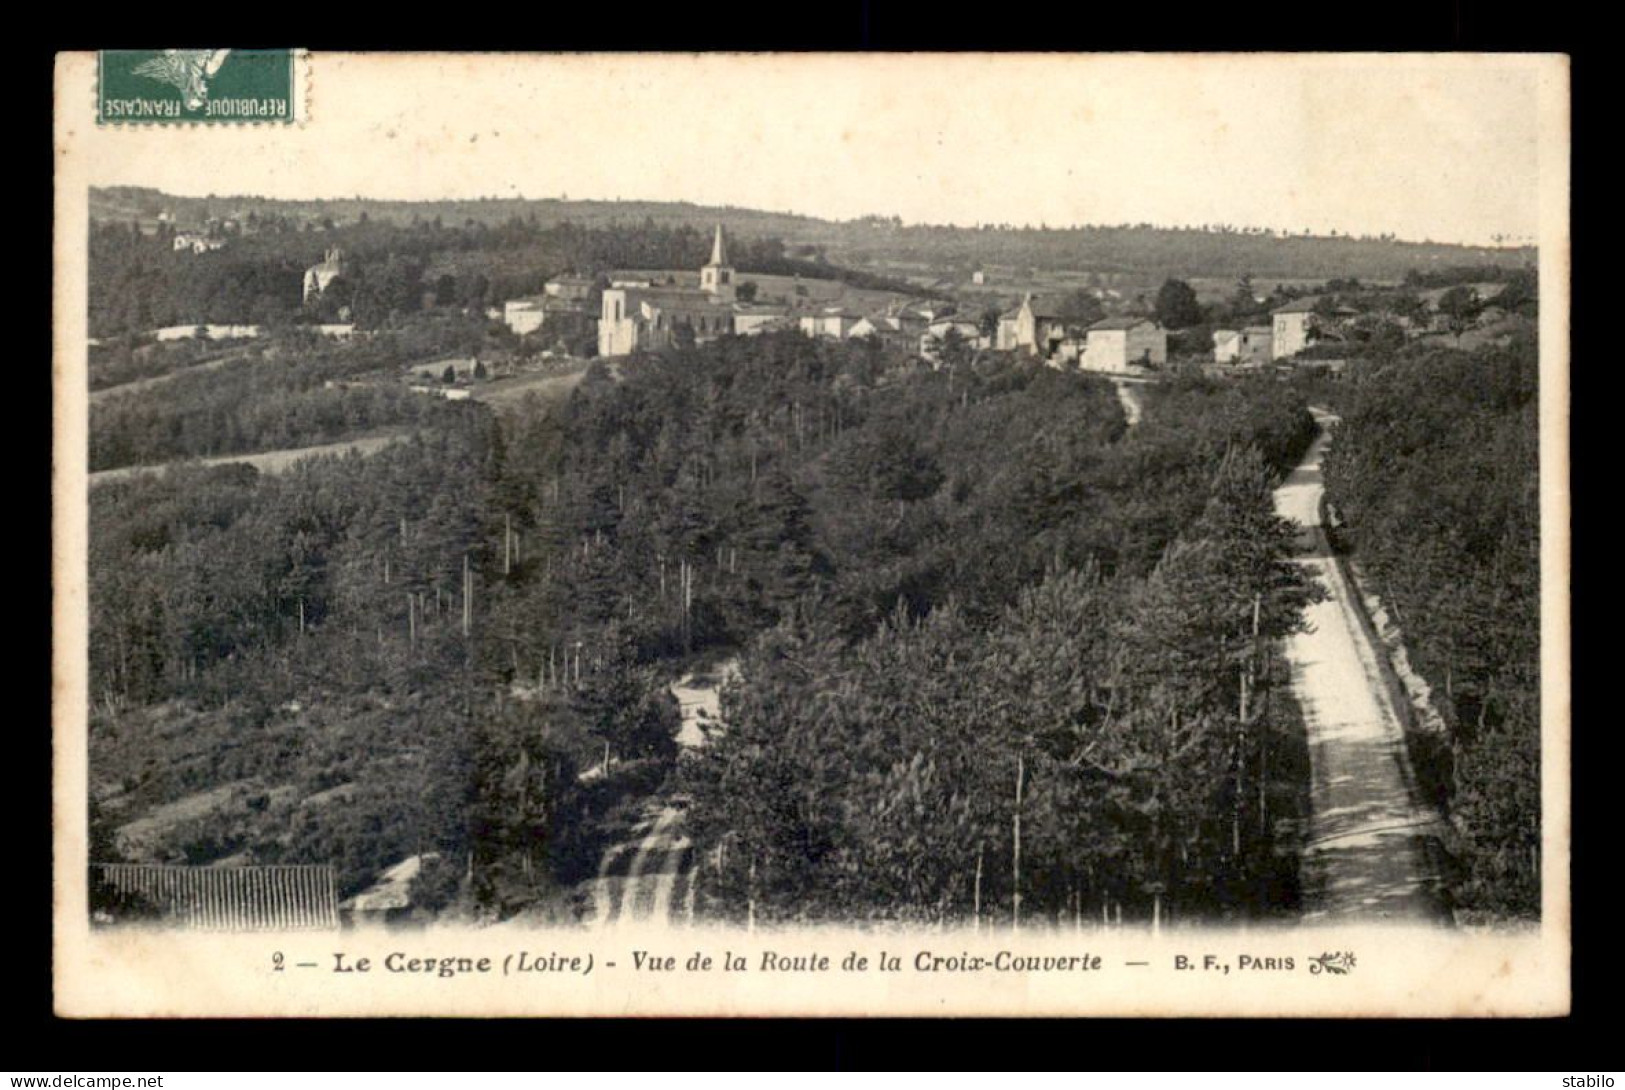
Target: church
<point>642,316</point>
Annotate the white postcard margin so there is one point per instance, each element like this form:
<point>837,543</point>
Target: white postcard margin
<point>135,973</point>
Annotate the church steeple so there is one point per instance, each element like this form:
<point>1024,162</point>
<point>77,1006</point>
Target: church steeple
<point>717,277</point>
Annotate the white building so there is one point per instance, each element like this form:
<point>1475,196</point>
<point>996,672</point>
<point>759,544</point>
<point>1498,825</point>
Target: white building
<point>833,322</point>
<point>208,331</point>
<point>891,329</point>
<point>1124,345</point>
<point>564,298</point>
<point>1250,345</point>
<point>319,276</point>
<point>1038,327</point>
<point>1007,339</point>
<point>936,335</point>
<point>647,319</point>
<point>197,244</point>
<point>524,315</point>
<point>750,320</point>
<point>1291,327</point>
<point>573,288</point>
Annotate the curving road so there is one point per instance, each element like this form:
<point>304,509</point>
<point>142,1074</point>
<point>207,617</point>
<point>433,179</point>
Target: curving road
<point>1366,858</point>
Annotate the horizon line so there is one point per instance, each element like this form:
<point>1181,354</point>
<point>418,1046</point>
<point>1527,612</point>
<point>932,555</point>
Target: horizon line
<point>1281,233</point>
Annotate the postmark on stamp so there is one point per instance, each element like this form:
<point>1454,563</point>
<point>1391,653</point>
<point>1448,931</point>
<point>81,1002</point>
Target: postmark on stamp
<point>189,86</point>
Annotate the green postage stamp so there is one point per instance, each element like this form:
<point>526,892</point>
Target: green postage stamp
<point>208,86</point>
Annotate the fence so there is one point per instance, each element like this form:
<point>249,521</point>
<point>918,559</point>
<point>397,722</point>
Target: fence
<point>287,898</point>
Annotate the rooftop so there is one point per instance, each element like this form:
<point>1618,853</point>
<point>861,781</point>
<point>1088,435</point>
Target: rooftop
<point>1043,307</point>
<point>1299,306</point>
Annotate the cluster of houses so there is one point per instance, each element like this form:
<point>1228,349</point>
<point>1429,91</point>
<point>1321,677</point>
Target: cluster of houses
<point>1289,332</point>
<point>1037,327</point>
<point>1122,345</point>
<point>565,295</point>
<point>922,327</point>
<point>1297,325</point>
<point>648,311</point>
<point>215,233</point>
<point>1292,329</point>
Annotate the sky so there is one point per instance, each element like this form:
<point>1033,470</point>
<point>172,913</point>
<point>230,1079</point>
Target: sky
<point>1447,148</point>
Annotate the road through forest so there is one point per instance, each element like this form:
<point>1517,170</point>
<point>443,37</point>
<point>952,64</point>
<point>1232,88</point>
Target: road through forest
<point>651,874</point>
<point>1366,856</point>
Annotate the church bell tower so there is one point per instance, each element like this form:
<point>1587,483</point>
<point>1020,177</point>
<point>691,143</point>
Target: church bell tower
<point>717,277</point>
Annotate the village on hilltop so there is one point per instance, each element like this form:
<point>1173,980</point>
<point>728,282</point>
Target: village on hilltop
<point>649,310</point>
<point>1101,322</point>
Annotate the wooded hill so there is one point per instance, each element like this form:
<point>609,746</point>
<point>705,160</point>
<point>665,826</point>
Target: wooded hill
<point>989,575</point>
<point>1146,251</point>
<point>1435,471</point>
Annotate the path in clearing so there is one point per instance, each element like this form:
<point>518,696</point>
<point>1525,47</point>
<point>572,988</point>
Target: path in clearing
<point>547,386</point>
<point>639,879</point>
<point>266,461</point>
<point>135,386</point>
<point>1132,399</point>
<point>1366,856</point>
<point>650,875</point>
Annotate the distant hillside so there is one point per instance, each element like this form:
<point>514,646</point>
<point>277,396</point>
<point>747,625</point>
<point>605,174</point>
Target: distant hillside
<point>1137,253</point>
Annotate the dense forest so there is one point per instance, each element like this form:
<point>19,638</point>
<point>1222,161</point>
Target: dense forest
<point>1435,473</point>
<point>249,640</point>
<point>422,651</point>
<point>941,583</point>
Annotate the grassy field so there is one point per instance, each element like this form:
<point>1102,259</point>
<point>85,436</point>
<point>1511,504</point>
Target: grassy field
<point>269,461</point>
<point>546,385</point>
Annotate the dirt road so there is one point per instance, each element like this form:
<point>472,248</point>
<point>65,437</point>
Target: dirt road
<point>1367,857</point>
<point>266,461</point>
<point>648,877</point>
<point>136,386</point>
<point>547,386</point>
<point>1132,399</point>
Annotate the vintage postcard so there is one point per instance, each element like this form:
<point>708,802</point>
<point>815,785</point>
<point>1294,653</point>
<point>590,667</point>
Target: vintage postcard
<point>811,534</point>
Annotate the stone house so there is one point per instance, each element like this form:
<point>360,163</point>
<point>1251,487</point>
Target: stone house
<point>1124,345</point>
